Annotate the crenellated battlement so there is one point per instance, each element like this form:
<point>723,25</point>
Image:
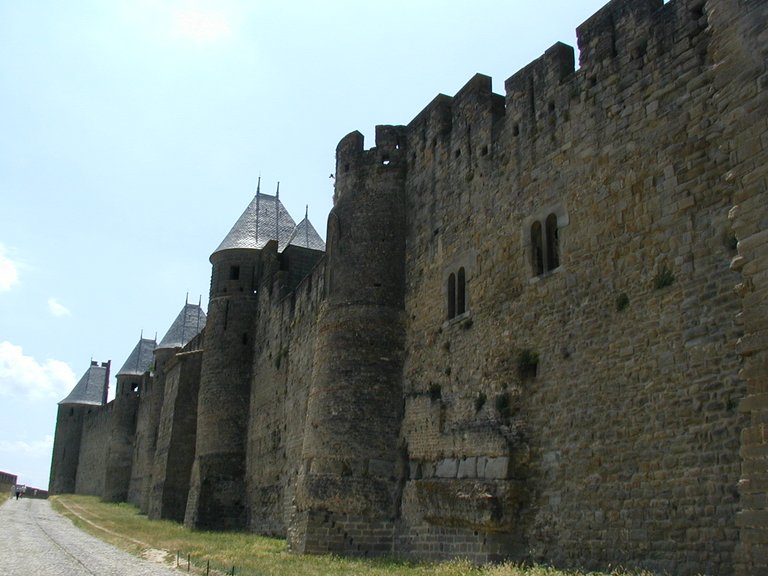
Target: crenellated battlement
<point>520,343</point>
<point>351,157</point>
<point>532,92</point>
<point>624,33</point>
<point>614,29</point>
<point>388,149</point>
<point>436,117</point>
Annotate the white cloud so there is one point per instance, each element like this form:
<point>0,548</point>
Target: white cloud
<point>38,446</point>
<point>24,376</point>
<point>9,274</point>
<point>57,309</point>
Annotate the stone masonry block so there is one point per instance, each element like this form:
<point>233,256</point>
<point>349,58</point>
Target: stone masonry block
<point>447,468</point>
<point>497,468</point>
<point>467,468</point>
<point>754,402</point>
<point>380,468</point>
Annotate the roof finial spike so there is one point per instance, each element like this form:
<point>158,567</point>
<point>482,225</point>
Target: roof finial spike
<point>277,216</point>
<point>306,212</point>
<point>186,299</point>
<point>138,356</point>
<point>258,185</point>
<point>184,321</point>
<point>257,211</point>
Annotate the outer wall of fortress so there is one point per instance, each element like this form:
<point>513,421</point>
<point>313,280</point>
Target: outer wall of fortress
<point>523,340</point>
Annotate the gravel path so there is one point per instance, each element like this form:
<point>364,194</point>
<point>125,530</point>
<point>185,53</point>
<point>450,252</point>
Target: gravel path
<point>38,542</point>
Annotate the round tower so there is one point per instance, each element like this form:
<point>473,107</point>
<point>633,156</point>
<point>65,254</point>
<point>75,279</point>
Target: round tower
<point>217,497</point>
<point>123,422</point>
<point>351,460</point>
<point>66,448</point>
<point>89,392</point>
<point>189,322</point>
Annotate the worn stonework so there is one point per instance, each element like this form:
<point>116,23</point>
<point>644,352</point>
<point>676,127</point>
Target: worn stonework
<point>743,55</point>
<point>152,393</point>
<point>119,445</point>
<point>177,430</point>
<point>82,435</point>
<point>93,450</point>
<point>523,340</point>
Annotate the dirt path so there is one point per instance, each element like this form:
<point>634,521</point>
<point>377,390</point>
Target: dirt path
<point>38,542</point>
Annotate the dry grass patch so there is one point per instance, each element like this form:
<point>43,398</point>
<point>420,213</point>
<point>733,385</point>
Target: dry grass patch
<point>123,526</point>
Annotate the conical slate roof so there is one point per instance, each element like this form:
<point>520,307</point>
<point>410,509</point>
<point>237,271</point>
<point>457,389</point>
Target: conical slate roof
<point>140,359</point>
<point>92,387</point>
<point>265,219</point>
<point>306,236</point>
<point>188,324</point>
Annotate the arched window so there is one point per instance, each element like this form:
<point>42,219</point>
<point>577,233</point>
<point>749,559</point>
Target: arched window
<point>545,244</point>
<point>537,249</point>
<point>461,303</point>
<point>457,293</point>
<point>553,249</point>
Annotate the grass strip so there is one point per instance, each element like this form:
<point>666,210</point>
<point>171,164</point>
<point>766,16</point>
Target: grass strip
<point>252,555</point>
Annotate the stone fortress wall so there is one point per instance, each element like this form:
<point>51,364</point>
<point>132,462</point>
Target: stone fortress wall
<point>94,450</point>
<point>523,340</point>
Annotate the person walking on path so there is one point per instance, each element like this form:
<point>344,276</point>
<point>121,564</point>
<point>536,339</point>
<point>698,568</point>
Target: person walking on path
<point>44,543</point>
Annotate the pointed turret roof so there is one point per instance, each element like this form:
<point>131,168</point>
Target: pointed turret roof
<point>264,219</point>
<point>306,236</point>
<point>188,324</point>
<point>92,387</point>
<point>140,359</point>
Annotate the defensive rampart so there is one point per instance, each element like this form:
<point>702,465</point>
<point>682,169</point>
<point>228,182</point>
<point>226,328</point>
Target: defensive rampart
<point>94,444</point>
<point>523,340</point>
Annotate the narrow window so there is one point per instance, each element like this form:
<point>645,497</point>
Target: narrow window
<point>537,249</point>
<point>234,272</point>
<point>451,296</point>
<point>553,250</point>
<point>461,304</point>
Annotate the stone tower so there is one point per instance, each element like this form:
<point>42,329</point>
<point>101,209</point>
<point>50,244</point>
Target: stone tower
<point>90,391</point>
<point>217,496</point>
<point>189,322</point>
<point>350,480</point>
<point>123,422</point>
<point>176,431</point>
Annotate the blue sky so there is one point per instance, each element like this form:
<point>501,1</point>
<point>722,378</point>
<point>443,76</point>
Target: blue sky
<point>132,135</point>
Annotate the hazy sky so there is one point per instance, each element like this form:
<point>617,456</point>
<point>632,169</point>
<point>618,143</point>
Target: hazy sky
<point>132,134</point>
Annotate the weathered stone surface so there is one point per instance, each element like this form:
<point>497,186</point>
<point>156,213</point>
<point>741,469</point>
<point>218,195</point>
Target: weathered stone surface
<point>447,468</point>
<point>538,331</point>
<point>467,468</point>
<point>496,468</point>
